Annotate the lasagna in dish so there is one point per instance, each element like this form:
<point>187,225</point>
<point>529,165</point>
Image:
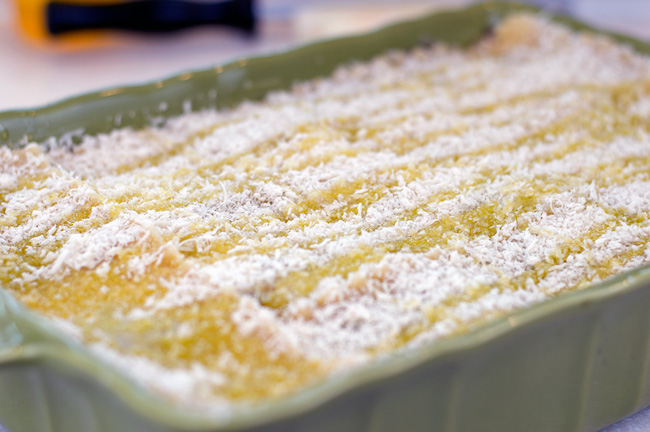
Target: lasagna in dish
<point>237,256</point>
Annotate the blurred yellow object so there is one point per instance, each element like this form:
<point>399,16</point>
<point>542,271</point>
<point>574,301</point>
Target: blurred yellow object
<point>33,25</point>
<point>83,23</point>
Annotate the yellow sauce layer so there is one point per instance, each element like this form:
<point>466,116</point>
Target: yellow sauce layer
<point>116,304</point>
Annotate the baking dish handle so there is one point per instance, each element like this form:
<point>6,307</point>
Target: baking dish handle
<point>11,337</point>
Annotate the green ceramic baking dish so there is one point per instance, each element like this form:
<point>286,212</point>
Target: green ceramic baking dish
<point>575,363</point>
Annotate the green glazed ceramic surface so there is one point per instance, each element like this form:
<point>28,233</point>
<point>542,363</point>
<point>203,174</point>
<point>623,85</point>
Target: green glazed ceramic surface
<point>575,363</point>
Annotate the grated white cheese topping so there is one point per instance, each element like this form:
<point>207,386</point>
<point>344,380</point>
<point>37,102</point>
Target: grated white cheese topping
<point>394,165</point>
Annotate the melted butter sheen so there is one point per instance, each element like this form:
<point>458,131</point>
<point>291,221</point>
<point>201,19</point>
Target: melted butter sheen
<point>501,177</point>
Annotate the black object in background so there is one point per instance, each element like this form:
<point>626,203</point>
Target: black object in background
<point>155,16</point>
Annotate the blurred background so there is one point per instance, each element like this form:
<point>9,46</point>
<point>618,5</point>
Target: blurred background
<point>36,69</point>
